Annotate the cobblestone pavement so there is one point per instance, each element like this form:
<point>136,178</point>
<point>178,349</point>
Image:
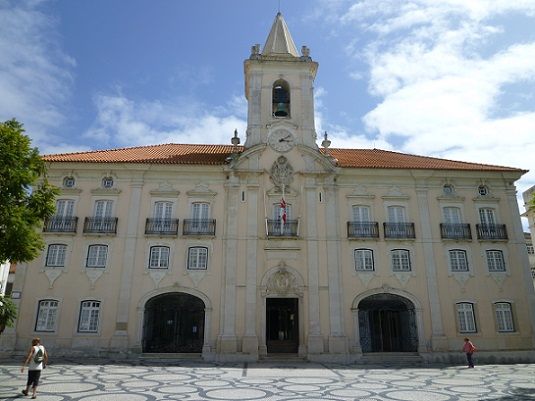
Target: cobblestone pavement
<point>277,381</point>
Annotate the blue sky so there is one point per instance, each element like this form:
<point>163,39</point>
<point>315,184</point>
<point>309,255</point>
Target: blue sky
<point>443,78</point>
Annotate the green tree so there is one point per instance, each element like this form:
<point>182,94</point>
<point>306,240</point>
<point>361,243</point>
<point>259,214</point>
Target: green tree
<point>8,312</point>
<point>26,197</point>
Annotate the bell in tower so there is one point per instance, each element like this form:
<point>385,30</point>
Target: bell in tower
<point>281,99</point>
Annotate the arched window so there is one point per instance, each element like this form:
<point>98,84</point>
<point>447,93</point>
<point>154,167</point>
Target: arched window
<point>281,99</point>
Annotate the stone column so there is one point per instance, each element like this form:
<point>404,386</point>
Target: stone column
<point>119,340</point>
<point>252,311</point>
<point>337,338</point>
<point>439,341</point>
<point>314,340</point>
<point>227,338</point>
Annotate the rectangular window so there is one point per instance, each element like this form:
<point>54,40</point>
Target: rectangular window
<point>97,256</point>
<point>495,261</point>
<point>465,314</point>
<point>452,215</point>
<point>198,258</point>
<point>103,208</point>
<point>531,251</point>
<point>55,256</point>
<point>361,214</point>
<point>163,210</point>
<point>396,214</point>
<point>486,216</point>
<point>504,317</point>
<point>200,211</point>
<point>46,315</point>
<point>458,260</point>
<point>89,317</point>
<point>64,208</point>
<point>159,257</point>
<point>363,260</point>
<point>401,261</point>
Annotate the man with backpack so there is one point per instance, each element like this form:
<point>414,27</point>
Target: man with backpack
<point>36,360</point>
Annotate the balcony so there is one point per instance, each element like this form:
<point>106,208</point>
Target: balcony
<point>199,227</point>
<point>288,229</point>
<point>100,225</point>
<point>61,224</point>
<point>161,227</point>
<point>368,229</point>
<point>455,231</point>
<point>491,232</point>
<point>399,230</point>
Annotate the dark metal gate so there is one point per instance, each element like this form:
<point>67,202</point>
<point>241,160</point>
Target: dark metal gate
<point>174,323</point>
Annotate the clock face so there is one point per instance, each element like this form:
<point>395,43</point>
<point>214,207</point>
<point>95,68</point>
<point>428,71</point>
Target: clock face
<point>281,140</point>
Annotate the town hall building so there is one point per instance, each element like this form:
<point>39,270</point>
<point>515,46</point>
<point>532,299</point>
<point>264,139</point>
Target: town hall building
<point>277,246</point>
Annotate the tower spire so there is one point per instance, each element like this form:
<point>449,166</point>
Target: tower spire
<point>279,41</point>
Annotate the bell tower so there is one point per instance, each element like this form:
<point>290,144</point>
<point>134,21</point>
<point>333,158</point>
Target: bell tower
<point>280,93</point>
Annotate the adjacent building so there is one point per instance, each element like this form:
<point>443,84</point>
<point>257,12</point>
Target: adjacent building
<point>278,246</point>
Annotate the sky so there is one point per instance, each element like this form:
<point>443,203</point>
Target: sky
<point>445,78</point>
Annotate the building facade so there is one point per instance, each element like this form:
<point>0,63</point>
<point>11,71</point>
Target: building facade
<point>278,246</point>
<point>530,215</point>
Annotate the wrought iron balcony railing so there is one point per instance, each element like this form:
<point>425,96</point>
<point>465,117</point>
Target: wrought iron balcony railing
<point>368,229</point>
<point>100,225</point>
<point>161,226</point>
<point>455,231</point>
<point>275,228</point>
<point>399,230</point>
<point>198,227</point>
<point>491,231</point>
<point>63,224</point>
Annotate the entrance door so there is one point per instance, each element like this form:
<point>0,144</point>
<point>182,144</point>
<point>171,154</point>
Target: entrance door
<point>173,323</point>
<point>387,323</point>
<point>282,332</point>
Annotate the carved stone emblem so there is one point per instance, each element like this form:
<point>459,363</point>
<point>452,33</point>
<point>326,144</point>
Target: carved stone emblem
<point>282,173</point>
<point>281,282</point>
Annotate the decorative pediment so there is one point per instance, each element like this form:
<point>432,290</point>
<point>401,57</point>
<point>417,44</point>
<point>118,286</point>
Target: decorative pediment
<point>360,192</point>
<point>52,273</point>
<point>165,189</point>
<point>201,190</point>
<point>282,281</point>
<point>106,191</point>
<point>93,274</point>
<point>394,193</point>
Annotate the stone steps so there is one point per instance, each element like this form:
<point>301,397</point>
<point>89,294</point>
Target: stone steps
<point>392,359</point>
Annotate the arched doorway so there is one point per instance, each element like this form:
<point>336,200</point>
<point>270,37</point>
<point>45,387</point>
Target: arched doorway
<point>387,323</point>
<point>173,322</point>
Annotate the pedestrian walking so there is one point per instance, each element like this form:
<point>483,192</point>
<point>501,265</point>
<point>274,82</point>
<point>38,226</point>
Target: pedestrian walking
<point>469,349</point>
<point>36,360</point>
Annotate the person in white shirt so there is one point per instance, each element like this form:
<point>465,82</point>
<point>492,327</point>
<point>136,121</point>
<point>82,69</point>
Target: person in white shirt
<point>36,360</point>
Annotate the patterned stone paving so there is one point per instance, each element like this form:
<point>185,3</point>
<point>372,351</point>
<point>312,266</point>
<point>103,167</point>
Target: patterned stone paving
<point>276,381</point>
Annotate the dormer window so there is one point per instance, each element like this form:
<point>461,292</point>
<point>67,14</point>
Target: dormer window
<point>107,182</point>
<point>281,99</point>
<point>68,182</point>
<point>483,190</point>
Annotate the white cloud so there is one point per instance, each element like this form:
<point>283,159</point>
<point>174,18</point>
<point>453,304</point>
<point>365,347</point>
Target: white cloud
<point>35,75</point>
<point>121,121</point>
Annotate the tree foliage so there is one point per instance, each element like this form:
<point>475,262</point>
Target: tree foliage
<point>26,197</point>
<point>8,312</point>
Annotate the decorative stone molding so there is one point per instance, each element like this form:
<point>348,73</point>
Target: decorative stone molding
<point>461,278</point>
<point>403,277</point>
<point>282,173</point>
<point>106,191</point>
<point>499,277</point>
<point>165,190</point>
<point>360,192</point>
<point>71,191</point>
<point>394,193</point>
<point>53,273</point>
<point>365,277</point>
<point>282,281</point>
<point>93,274</point>
<point>157,275</point>
<point>196,276</point>
<point>201,190</point>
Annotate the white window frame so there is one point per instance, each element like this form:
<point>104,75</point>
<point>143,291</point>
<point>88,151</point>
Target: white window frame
<point>103,208</point>
<point>196,259</point>
<point>495,261</point>
<point>47,314</point>
<point>56,255</point>
<point>157,257</point>
<point>361,213</point>
<point>99,258</point>
<point>107,182</point>
<point>466,317</point>
<point>530,249</point>
<point>162,210</point>
<point>64,208</point>
<point>396,214</point>
<point>88,319</point>
<point>401,260</point>
<point>452,215</point>
<point>487,215</point>
<point>504,317</point>
<point>363,259</point>
<point>458,258</point>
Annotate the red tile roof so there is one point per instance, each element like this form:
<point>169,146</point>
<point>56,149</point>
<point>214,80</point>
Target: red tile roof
<point>217,155</point>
